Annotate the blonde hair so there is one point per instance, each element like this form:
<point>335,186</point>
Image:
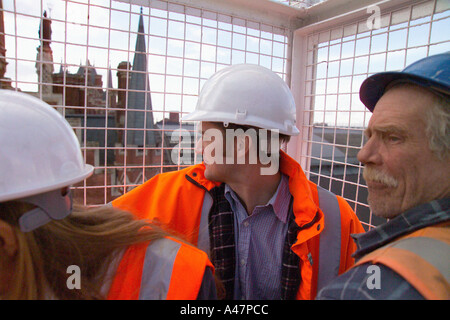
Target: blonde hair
<point>88,238</point>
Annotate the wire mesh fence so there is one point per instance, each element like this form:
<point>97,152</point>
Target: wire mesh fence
<point>339,58</point>
<point>123,73</point>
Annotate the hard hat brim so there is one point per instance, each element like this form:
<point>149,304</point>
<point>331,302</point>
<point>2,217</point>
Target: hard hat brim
<point>374,87</point>
<point>225,117</point>
<point>32,190</point>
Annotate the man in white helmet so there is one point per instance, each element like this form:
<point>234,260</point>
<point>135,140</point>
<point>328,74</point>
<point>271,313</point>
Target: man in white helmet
<point>249,205</point>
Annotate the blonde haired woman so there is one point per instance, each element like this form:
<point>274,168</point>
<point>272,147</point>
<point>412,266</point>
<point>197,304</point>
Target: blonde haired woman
<point>50,250</point>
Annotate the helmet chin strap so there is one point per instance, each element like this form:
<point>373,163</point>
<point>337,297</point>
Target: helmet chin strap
<point>50,206</point>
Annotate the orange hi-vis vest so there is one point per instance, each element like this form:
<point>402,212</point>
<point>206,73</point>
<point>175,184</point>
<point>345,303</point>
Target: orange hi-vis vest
<point>180,201</point>
<point>164,269</point>
<point>421,258</point>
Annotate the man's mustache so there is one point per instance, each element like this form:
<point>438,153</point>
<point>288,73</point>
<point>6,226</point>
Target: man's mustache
<point>371,174</point>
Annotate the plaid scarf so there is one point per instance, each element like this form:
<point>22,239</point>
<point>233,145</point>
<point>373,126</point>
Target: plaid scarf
<point>221,233</point>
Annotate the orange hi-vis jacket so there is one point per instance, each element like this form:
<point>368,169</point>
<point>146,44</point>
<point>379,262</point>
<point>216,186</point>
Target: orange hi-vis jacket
<point>421,258</point>
<point>157,270</point>
<point>179,200</point>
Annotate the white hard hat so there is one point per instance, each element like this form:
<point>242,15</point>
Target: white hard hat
<point>247,94</point>
<point>39,151</point>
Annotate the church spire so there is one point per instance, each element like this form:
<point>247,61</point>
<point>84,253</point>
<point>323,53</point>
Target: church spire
<point>139,95</point>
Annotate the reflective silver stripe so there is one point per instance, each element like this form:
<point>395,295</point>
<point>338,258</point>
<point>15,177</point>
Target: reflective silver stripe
<point>330,238</point>
<point>435,252</point>
<point>158,265</point>
<point>203,231</point>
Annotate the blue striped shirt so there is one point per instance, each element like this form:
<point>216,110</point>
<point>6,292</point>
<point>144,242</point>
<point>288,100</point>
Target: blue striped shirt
<point>260,239</point>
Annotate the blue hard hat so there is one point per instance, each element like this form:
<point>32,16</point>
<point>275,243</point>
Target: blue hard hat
<point>432,73</point>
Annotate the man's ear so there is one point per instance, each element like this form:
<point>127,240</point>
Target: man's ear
<point>243,145</point>
<point>8,240</point>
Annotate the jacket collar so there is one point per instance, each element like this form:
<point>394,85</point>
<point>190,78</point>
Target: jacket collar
<point>304,206</point>
<point>196,173</point>
<point>306,212</point>
<point>416,218</point>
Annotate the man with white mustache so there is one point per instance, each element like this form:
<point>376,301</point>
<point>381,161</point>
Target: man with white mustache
<point>407,171</point>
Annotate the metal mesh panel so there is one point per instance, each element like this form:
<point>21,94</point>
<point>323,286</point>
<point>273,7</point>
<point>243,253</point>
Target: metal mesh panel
<point>123,74</point>
<point>338,59</point>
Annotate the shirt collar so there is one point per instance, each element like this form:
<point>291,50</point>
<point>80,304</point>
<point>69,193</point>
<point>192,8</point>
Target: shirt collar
<point>279,201</point>
<point>419,217</point>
